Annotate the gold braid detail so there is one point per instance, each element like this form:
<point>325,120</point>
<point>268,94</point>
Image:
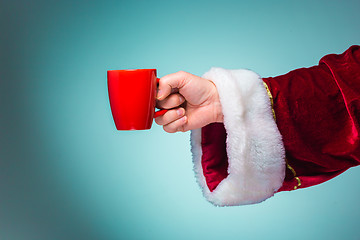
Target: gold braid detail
<point>271,100</point>
<point>272,109</point>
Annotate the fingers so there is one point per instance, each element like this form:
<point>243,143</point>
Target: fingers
<point>170,116</point>
<point>173,120</point>
<point>172,101</point>
<point>171,81</point>
<point>176,126</point>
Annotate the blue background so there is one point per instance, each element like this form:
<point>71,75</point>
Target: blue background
<point>66,173</point>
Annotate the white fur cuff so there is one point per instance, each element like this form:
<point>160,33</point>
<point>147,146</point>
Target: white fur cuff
<point>254,145</point>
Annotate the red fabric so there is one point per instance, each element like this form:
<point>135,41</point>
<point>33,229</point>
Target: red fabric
<point>214,158</point>
<point>318,114</point>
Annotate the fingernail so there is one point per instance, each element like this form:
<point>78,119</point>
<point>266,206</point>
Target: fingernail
<point>180,111</point>
<point>159,94</point>
<point>182,99</point>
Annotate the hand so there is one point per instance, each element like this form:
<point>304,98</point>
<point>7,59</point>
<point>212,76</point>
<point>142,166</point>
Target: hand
<point>193,102</point>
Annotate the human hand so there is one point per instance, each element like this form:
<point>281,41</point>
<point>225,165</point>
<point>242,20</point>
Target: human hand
<point>193,102</point>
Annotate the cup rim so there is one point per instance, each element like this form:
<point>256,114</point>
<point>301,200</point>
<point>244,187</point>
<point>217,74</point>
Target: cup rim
<point>133,70</point>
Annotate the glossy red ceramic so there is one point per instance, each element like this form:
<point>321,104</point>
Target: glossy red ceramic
<point>132,95</point>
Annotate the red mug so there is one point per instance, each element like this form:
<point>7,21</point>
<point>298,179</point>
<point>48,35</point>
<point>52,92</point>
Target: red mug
<point>132,95</point>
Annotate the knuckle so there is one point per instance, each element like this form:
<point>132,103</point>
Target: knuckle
<point>180,129</point>
<point>183,129</point>
<point>168,129</point>
<point>164,82</point>
<point>183,73</point>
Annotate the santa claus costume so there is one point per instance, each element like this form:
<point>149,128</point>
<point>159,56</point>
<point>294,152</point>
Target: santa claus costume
<point>281,133</point>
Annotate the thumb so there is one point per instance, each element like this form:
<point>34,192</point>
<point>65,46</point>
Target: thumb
<point>170,82</point>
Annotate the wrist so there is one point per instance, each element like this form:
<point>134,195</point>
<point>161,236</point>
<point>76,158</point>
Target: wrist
<point>218,115</point>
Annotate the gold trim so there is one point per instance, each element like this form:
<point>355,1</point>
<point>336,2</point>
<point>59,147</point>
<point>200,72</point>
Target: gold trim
<point>271,99</point>
<point>294,173</point>
<point>273,111</point>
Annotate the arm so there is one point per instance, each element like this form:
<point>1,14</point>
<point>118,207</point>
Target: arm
<point>318,114</point>
<point>249,156</point>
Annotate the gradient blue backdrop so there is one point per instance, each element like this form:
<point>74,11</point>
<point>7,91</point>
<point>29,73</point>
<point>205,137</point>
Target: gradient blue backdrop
<point>66,173</point>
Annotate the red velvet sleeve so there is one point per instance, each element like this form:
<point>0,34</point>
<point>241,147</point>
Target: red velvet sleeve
<point>317,113</point>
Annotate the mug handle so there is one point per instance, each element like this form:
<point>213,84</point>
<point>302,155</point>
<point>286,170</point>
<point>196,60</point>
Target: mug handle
<point>162,111</point>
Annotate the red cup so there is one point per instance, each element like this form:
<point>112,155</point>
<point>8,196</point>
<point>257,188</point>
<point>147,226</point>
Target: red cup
<point>132,95</point>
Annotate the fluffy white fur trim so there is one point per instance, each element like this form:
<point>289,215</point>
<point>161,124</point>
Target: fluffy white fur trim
<point>254,145</point>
